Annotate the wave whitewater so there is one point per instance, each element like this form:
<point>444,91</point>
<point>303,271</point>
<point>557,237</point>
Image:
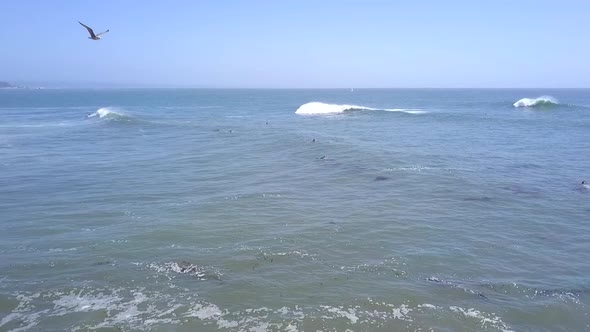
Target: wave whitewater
<point>141,309</point>
<point>533,102</point>
<point>108,113</point>
<point>318,108</point>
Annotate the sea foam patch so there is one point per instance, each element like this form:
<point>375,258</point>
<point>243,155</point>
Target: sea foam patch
<point>171,270</point>
<point>140,309</point>
<point>486,320</point>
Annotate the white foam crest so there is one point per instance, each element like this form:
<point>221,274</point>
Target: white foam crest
<point>406,110</point>
<point>315,108</point>
<point>349,313</point>
<point>318,108</point>
<point>532,102</point>
<point>107,112</point>
<point>171,269</point>
<point>427,306</point>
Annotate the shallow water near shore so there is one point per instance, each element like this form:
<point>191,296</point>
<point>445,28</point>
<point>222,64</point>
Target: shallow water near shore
<point>254,210</point>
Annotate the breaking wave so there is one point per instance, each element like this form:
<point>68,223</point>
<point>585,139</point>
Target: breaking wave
<point>108,113</point>
<point>533,102</point>
<point>318,108</point>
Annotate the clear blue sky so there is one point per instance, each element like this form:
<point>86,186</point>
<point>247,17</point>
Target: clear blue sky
<point>299,43</point>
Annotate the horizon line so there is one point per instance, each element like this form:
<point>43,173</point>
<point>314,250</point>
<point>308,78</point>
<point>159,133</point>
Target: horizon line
<point>36,87</point>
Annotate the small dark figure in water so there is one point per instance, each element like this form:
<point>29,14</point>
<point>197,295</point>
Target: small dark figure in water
<point>381,178</point>
<point>313,140</point>
<point>323,157</point>
<point>266,122</point>
<point>584,182</point>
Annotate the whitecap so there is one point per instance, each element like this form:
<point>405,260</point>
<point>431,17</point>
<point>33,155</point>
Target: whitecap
<point>109,113</point>
<point>407,110</point>
<point>323,108</point>
<point>540,101</point>
<point>318,108</point>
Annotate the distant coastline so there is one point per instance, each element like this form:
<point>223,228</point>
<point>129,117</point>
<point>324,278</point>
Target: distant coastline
<point>8,85</point>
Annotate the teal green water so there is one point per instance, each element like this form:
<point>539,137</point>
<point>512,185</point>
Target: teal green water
<point>202,210</point>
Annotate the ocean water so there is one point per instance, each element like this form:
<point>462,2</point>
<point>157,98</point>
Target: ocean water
<point>294,210</point>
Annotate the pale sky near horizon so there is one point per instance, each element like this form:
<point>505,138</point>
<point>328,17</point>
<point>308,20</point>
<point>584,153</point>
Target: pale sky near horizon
<point>303,44</point>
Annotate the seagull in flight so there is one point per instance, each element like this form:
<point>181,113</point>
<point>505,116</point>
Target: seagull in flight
<point>91,32</point>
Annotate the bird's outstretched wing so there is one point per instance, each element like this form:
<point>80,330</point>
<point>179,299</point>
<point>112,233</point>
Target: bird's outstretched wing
<point>89,30</point>
<point>102,33</point>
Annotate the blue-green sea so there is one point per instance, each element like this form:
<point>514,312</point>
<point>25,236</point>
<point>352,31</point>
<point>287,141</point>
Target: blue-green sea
<point>294,210</point>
